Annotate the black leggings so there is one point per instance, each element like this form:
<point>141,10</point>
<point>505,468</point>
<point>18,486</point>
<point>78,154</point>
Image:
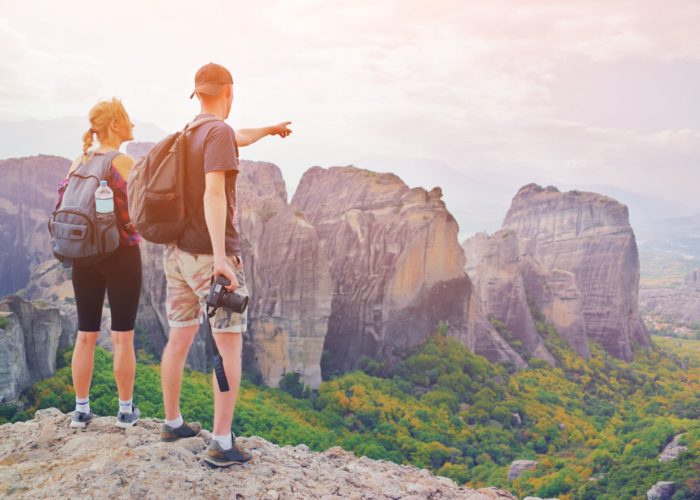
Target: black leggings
<point>120,275</point>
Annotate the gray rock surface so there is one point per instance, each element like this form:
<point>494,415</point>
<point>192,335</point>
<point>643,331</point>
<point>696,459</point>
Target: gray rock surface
<point>28,344</point>
<point>44,458</point>
<point>293,290</point>
<point>680,304</point>
<point>517,467</point>
<point>494,264</point>
<point>14,375</point>
<point>27,197</point>
<point>672,450</point>
<point>662,490</point>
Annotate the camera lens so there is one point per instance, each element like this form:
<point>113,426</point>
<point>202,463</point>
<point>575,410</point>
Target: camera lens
<point>235,302</point>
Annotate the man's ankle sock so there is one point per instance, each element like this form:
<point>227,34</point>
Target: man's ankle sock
<point>224,441</point>
<point>82,405</point>
<point>125,406</point>
<point>174,424</point>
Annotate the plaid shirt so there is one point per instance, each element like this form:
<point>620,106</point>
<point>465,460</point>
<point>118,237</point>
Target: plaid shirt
<point>127,234</point>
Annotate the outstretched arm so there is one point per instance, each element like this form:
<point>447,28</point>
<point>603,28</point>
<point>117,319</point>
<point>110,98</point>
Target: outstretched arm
<point>247,136</point>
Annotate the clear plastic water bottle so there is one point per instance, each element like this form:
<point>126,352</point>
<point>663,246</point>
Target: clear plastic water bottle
<point>104,202</point>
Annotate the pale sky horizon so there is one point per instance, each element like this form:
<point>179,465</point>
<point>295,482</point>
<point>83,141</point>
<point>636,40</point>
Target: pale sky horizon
<point>570,93</point>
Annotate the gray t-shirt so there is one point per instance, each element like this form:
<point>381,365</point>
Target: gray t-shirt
<point>210,147</point>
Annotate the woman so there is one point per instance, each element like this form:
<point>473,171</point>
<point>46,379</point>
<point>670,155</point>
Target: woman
<point>119,274</point>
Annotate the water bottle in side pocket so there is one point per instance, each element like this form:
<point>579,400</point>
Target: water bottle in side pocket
<point>104,202</point>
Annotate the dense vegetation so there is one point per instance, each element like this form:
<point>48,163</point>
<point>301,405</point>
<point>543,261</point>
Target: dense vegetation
<point>595,427</point>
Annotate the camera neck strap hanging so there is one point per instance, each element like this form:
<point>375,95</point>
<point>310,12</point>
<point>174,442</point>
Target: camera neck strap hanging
<point>217,360</point>
<point>210,313</point>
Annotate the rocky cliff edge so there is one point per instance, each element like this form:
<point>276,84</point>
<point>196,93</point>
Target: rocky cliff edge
<point>45,458</point>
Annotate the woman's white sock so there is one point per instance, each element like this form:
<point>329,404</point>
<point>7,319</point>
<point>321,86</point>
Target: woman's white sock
<point>125,406</point>
<point>82,405</point>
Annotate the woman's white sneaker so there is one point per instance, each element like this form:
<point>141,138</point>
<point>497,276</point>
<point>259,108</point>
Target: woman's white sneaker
<point>79,420</point>
<point>125,420</point>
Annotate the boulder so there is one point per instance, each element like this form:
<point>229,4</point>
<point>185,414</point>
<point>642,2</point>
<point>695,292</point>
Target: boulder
<point>662,490</point>
<point>672,450</point>
<point>517,467</point>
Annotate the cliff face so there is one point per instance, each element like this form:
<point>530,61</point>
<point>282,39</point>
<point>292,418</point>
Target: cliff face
<point>396,266</point>
<point>29,342</point>
<point>495,266</point>
<point>27,197</point>
<point>574,256</point>
<point>292,299</point>
<point>44,458</point>
<point>680,304</point>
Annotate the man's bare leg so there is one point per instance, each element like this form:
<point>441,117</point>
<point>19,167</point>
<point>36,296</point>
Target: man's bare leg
<point>171,366</point>
<point>230,346</point>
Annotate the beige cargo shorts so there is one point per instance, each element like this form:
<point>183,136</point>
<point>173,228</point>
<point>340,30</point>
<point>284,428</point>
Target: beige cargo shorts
<point>188,279</point>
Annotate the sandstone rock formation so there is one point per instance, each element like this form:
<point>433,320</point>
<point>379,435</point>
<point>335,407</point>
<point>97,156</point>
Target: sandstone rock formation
<point>44,458</point>
<point>571,255</point>
<point>497,270</point>
<point>292,299</point>
<point>396,266</point>
<point>680,304</point>
<point>27,197</point>
<point>29,338</point>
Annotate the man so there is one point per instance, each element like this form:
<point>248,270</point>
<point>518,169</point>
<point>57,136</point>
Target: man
<point>209,246</point>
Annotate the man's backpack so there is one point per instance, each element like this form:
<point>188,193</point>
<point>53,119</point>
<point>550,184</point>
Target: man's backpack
<point>156,188</point>
<point>78,236</point>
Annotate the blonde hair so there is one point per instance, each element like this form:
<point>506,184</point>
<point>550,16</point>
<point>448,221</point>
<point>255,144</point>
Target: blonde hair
<point>101,116</point>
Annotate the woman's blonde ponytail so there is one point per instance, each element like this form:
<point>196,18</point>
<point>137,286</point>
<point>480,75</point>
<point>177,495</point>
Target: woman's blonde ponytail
<point>87,142</point>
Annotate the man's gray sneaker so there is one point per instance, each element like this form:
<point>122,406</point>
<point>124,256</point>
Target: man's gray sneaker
<point>218,457</point>
<point>125,420</point>
<point>168,434</point>
<point>79,420</point>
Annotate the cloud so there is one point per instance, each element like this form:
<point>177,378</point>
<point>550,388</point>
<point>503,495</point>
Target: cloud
<point>37,80</point>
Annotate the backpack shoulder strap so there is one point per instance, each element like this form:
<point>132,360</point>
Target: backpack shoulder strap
<point>193,125</point>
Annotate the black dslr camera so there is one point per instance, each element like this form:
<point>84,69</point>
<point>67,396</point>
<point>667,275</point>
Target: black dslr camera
<point>219,296</point>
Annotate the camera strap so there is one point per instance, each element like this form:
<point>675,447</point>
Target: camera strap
<point>217,360</point>
<point>210,314</point>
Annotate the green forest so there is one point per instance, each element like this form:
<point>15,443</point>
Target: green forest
<point>595,427</point>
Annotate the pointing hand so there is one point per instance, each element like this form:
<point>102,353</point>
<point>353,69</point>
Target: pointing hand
<point>281,129</point>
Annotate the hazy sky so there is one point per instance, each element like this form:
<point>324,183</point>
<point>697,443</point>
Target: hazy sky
<point>568,92</point>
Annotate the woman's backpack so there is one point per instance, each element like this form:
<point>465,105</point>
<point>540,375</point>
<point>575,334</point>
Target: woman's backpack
<point>78,236</point>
